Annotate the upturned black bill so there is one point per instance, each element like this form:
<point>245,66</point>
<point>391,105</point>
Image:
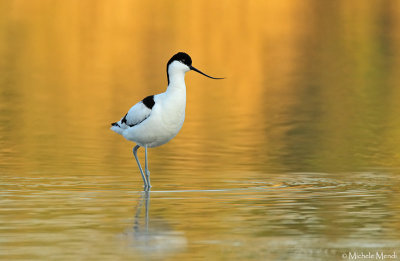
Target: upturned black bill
<point>194,69</point>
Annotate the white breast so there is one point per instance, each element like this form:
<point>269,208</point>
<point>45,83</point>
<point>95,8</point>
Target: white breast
<point>163,123</point>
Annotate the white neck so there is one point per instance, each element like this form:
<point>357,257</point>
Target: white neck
<point>176,80</point>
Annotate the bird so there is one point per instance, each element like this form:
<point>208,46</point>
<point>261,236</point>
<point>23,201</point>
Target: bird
<point>157,119</point>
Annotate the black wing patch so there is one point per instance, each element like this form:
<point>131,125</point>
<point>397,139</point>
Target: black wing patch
<point>124,119</point>
<point>149,101</point>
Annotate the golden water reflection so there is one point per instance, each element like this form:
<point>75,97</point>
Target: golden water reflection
<point>304,90</point>
<point>300,141</point>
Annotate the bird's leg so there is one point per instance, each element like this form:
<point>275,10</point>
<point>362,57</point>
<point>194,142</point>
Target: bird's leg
<point>146,167</point>
<point>140,167</point>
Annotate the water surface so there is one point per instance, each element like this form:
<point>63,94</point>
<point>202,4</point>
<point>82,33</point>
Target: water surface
<point>294,156</point>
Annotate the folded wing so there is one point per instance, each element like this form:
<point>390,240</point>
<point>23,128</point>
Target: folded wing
<point>137,114</point>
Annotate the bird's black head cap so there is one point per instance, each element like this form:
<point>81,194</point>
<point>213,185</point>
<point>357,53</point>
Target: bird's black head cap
<point>181,57</point>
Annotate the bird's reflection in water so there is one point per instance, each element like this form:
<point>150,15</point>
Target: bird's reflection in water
<point>137,227</point>
<point>153,236</point>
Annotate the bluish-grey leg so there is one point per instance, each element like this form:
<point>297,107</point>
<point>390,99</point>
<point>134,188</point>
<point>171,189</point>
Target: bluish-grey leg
<point>140,167</point>
<point>146,167</point>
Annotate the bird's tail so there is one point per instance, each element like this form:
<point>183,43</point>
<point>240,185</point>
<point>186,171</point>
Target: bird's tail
<point>116,126</point>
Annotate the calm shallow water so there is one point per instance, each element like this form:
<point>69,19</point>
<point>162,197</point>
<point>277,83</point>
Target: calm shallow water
<point>293,216</point>
<point>295,156</point>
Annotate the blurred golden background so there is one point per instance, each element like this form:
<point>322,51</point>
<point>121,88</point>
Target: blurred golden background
<point>305,126</point>
<point>311,85</point>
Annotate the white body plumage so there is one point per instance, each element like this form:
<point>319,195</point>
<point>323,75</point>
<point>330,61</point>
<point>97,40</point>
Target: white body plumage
<point>154,123</point>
